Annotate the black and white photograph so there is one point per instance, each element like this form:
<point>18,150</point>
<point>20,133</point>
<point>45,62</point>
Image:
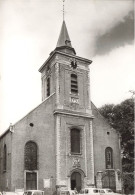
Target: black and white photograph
<point>67,94</point>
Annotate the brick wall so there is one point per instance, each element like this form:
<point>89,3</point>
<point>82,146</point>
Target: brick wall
<point>42,133</point>
<point>102,139</point>
<point>5,175</point>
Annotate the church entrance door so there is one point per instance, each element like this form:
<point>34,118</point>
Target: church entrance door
<point>108,180</point>
<point>76,181</point>
<point>31,181</point>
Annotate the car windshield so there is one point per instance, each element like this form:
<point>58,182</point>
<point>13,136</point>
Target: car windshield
<point>38,193</point>
<point>28,193</point>
<point>108,190</point>
<point>102,191</point>
<point>95,191</point>
<point>82,192</point>
<point>65,193</point>
<point>86,191</point>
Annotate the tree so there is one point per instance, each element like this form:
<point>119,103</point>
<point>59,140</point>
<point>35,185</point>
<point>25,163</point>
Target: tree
<point>121,118</point>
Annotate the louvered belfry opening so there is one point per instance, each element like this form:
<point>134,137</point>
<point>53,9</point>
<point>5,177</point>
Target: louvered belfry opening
<point>74,84</point>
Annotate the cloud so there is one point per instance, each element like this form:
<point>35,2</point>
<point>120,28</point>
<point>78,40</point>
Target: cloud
<point>112,76</point>
<point>120,35</point>
<point>110,13</point>
<point>96,18</point>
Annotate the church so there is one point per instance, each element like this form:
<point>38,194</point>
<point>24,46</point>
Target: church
<point>63,143</point>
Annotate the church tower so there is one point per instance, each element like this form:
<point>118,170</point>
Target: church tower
<point>66,76</point>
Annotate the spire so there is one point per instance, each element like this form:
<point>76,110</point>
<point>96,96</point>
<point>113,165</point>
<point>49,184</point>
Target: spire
<point>64,39</point>
<point>64,43</point>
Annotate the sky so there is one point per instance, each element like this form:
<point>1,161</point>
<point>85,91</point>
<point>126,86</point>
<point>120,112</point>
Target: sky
<point>100,30</point>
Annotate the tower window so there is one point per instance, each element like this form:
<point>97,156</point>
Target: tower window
<point>48,86</point>
<point>109,158</point>
<point>75,141</point>
<point>74,84</point>
<point>30,158</point>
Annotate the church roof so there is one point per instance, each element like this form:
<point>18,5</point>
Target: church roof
<point>64,42</point>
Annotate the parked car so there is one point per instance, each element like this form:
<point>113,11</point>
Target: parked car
<point>97,191</point>
<point>90,191</point>
<point>107,192</point>
<point>67,192</point>
<point>34,192</point>
<point>9,193</point>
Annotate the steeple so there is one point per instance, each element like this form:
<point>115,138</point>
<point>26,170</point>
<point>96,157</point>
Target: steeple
<point>64,43</point>
<point>64,39</point>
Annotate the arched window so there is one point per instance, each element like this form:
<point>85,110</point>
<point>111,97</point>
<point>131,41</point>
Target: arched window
<point>74,84</point>
<point>109,158</point>
<point>48,87</point>
<point>30,158</point>
<point>5,158</point>
<point>75,140</point>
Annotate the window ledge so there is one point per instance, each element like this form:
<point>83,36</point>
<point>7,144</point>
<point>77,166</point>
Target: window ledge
<point>74,94</point>
<point>75,154</point>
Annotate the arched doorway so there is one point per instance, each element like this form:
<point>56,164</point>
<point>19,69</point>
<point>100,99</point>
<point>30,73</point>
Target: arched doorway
<point>76,181</point>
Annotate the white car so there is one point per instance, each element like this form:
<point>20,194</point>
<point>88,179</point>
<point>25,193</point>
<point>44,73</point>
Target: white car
<point>107,192</point>
<point>34,192</point>
<point>67,192</point>
<point>9,193</point>
<point>90,191</point>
